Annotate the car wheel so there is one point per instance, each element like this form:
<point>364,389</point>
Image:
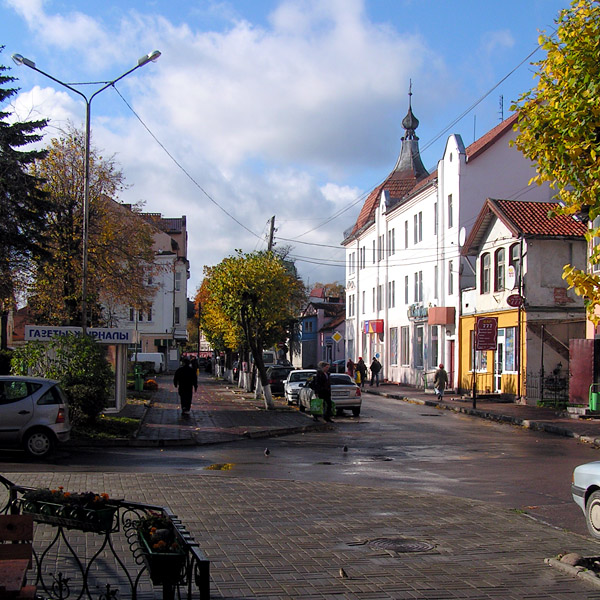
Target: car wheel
<point>38,443</point>
<point>592,514</point>
<point>356,411</point>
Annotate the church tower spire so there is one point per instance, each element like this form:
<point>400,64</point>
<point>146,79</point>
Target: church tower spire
<point>409,164</point>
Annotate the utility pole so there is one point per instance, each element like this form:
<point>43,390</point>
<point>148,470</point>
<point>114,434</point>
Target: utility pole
<point>271,233</point>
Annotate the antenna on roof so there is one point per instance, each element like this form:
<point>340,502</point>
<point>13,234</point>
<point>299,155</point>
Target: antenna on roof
<point>501,108</point>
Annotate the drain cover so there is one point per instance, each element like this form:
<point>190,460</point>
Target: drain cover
<point>400,545</point>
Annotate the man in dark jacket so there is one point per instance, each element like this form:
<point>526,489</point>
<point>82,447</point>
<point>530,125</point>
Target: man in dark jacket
<point>375,369</point>
<point>186,382</point>
<point>323,388</point>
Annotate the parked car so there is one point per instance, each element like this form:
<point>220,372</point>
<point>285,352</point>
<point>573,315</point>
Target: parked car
<point>276,376</point>
<point>295,382</point>
<point>33,414</point>
<point>344,393</point>
<point>586,494</point>
<point>338,366</point>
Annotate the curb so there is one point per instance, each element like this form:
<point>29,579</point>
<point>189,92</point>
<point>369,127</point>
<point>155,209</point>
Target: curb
<point>579,572</point>
<point>474,412</point>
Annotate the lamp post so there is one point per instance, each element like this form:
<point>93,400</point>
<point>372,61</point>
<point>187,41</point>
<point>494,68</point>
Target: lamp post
<point>144,60</point>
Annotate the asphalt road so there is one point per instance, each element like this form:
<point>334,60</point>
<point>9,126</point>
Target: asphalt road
<point>392,445</point>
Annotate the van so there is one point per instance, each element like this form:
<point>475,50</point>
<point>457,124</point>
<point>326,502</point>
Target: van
<point>156,358</point>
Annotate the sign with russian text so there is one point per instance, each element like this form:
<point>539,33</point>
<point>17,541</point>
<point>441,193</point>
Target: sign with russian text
<point>103,335</point>
<point>486,333</point>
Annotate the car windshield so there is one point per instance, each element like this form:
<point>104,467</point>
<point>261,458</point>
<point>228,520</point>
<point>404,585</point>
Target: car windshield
<point>340,379</point>
<point>300,376</point>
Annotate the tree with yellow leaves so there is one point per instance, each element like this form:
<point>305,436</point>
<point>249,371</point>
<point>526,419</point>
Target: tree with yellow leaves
<point>120,255</point>
<point>248,299</point>
<point>559,128</point>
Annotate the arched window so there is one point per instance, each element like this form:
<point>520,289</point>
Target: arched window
<point>485,274</point>
<point>514,260</point>
<point>499,270</point>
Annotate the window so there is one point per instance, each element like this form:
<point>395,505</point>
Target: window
<point>419,286</point>
<point>405,345</point>
<point>435,281</point>
<point>379,297</point>
<point>480,356</point>
<point>150,313</point>
<point>363,302</point>
<point>515,262</point>
<point>307,327</point>
<point>450,278</point>
<point>351,305</point>
<point>433,349</point>
<point>177,281</point>
<point>499,270</point>
<point>418,233</point>
<point>392,241</point>
<point>510,349</point>
<point>435,219</point>
<point>406,289</point>
<point>419,346</point>
<point>391,294</point>
<point>450,219</point>
<point>131,313</point>
<point>381,249</point>
<point>177,315</point>
<point>374,251</point>
<point>362,255</point>
<point>373,308</point>
<point>406,234</point>
<point>485,273</point>
<point>393,351</point>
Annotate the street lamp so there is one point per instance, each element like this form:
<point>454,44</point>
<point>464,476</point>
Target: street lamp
<point>144,60</point>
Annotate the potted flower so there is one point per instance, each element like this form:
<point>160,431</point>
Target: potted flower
<point>161,549</point>
<point>86,511</point>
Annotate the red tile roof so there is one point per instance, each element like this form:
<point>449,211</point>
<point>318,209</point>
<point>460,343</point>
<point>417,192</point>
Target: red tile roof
<point>485,141</point>
<point>523,218</point>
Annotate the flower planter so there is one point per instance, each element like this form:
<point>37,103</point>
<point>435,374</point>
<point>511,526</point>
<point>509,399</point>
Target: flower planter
<point>98,520</point>
<point>164,567</point>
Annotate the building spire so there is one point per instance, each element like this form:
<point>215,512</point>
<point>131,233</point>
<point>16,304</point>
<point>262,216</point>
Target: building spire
<point>409,162</point>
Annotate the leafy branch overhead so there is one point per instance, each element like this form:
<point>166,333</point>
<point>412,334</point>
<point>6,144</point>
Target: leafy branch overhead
<point>559,127</point>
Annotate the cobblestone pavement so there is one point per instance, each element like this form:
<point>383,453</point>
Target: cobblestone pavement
<point>273,539</point>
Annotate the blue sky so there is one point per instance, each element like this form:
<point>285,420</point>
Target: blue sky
<point>290,108</point>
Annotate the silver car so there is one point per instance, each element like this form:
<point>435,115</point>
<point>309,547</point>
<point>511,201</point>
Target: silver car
<point>33,414</point>
<point>586,494</point>
<point>295,382</point>
<point>344,393</point>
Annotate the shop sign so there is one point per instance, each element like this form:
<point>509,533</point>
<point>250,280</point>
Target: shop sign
<point>515,300</point>
<point>103,335</point>
<point>373,326</point>
<point>417,311</point>
<point>486,333</point>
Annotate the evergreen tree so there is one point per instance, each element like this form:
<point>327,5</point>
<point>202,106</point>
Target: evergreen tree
<point>23,205</point>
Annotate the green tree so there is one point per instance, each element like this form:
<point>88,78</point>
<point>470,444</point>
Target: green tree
<point>247,299</point>
<point>79,363</point>
<point>559,127</point>
<point>120,255</point>
<point>23,206</point>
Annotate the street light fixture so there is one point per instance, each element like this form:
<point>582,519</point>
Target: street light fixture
<point>144,60</point>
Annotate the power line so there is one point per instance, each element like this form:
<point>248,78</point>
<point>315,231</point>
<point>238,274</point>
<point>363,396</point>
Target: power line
<point>182,167</point>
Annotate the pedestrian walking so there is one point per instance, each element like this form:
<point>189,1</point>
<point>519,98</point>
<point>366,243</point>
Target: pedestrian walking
<point>322,387</point>
<point>361,371</point>
<point>375,370</point>
<point>350,368</point>
<point>440,382</point>
<point>186,382</point>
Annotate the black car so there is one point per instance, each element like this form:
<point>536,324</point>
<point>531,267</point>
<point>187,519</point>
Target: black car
<point>276,376</point>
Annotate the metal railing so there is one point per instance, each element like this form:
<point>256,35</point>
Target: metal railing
<point>548,389</point>
<point>100,555</point>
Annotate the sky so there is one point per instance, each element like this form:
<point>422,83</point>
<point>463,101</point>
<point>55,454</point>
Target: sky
<point>262,108</point>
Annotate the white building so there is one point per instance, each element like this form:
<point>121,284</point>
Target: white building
<point>162,326</point>
<point>404,270</point>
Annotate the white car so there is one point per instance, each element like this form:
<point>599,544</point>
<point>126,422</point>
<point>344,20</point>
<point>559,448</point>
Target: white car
<point>345,394</point>
<point>295,382</point>
<point>586,494</point>
<point>33,414</point>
